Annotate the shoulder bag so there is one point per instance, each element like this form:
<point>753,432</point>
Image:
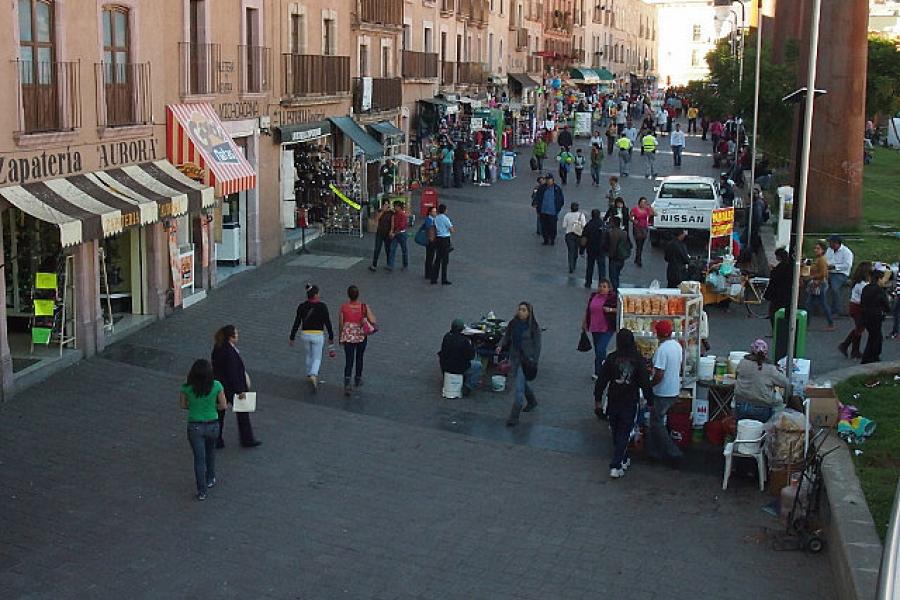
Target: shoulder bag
<point>367,326</point>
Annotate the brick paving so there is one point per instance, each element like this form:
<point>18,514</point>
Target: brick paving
<point>394,492</point>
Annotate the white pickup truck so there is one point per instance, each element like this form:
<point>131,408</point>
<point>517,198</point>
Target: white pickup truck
<point>684,202</point>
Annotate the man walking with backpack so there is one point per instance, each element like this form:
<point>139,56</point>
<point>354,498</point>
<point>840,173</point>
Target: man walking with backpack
<point>618,248</point>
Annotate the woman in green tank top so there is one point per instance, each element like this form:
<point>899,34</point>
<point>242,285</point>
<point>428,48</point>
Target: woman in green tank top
<point>201,396</point>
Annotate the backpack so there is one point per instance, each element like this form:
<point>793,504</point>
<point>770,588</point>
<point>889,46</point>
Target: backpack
<point>623,248</point>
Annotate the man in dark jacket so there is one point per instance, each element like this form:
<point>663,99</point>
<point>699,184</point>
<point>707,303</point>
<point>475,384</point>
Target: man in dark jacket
<point>781,280</point>
<point>534,201</point>
<point>677,260</point>
<point>565,137</point>
<point>457,356</point>
<point>459,160</point>
<point>873,304</point>
<point>550,201</point>
<point>617,248</point>
<point>594,234</point>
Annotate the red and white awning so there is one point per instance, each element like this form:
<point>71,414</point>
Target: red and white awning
<point>196,136</point>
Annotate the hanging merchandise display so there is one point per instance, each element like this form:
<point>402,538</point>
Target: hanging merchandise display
<point>313,173</point>
<point>343,200</point>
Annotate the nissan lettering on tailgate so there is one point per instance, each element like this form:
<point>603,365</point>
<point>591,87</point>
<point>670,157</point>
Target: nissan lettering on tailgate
<point>683,218</point>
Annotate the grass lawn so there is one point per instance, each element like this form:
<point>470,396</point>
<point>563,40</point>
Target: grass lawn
<point>881,207</point>
<point>878,467</point>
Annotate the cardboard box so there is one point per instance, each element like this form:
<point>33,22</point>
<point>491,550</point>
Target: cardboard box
<point>823,407</point>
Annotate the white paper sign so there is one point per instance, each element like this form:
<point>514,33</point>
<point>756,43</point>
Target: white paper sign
<point>477,123</point>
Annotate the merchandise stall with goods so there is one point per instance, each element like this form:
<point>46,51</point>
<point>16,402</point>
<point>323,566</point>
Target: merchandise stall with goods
<point>486,334</point>
<point>350,188</point>
<point>306,173</point>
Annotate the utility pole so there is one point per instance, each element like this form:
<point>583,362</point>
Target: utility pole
<point>755,118</point>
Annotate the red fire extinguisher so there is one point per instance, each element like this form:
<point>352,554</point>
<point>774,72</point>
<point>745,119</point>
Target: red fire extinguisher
<point>302,218</point>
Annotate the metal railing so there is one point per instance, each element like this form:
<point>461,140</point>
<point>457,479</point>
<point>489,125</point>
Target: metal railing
<point>447,7</point>
<point>124,94</point>
<point>315,75</point>
<point>50,96</point>
<point>521,39</point>
<point>388,13</point>
<point>464,10</point>
<point>419,65</point>
<point>199,68</point>
<point>255,66</point>
<point>448,73</point>
<point>387,94</point>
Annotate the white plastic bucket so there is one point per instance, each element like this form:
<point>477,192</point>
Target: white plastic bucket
<point>707,367</point>
<point>452,385</point>
<point>734,359</point>
<point>749,429</point>
<point>498,383</point>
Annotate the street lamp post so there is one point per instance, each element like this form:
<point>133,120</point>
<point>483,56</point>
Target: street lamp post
<point>755,119</point>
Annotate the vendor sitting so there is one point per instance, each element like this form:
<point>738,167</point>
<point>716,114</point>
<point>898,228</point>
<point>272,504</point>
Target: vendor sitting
<point>457,356</point>
<point>756,380</point>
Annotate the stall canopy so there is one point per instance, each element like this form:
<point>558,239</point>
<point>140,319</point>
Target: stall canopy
<point>389,133</point>
<point>604,75</point>
<point>585,76</point>
<point>305,132</point>
<point>523,80</point>
<point>97,205</point>
<point>372,149</point>
<point>196,136</point>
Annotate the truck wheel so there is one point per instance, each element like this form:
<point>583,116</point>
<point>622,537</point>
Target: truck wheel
<point>655,239</point>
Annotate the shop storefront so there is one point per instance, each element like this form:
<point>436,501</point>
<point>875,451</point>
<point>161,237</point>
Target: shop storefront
<point>305,172</point>
<point>202,148</point>
<point>356,154</point>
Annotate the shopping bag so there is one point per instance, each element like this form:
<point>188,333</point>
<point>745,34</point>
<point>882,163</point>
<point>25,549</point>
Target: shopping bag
<point>584,343</point>
<point>247,404</point>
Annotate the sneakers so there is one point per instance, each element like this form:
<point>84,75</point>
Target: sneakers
<point>313,383</point>
<point>212,483</point>
<point>626,464</point>
<point>201,496</point>
<point>594,377</point>
<point>347,389</point>
<point>373,268</point>
<point>616,473</point>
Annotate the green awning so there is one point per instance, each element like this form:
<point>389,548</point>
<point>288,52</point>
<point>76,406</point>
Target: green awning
<point>370,146</point>
<point>586,76</point>
<point>388,132</point>
<point>604,75</point>
<point>302,132</point>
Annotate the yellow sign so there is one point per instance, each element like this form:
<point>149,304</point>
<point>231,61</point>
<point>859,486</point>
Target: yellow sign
<point>355,205</point>
<point>722,222</point>
<point>44,308</point>
<point>45,281</point>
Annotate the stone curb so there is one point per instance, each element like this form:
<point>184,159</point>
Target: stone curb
<point>854,546</point>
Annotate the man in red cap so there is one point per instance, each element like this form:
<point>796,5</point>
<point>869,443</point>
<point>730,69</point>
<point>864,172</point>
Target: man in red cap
<point>667,363</point>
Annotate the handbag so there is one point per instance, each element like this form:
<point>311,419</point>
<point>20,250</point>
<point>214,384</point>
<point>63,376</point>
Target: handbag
<point>367,326</point>
<point>584,342</point>
<point>529,368</point>
<point>814,288</point>
<point>248,404</point>
<point>421,236</point>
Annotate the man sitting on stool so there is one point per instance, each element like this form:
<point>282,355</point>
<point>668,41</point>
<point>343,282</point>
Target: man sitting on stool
<point>457,356</point>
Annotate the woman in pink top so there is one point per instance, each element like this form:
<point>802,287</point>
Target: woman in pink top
<point>640,226</point>
<point>600,321</point>
<point>353,336</point>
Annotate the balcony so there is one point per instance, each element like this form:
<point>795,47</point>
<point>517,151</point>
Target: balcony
<point>578,56</point>
<point>560,22</point>
<point>255,64</point>
<point>50,96</point>
<point>387,94</point>
<point>464,10</point>
<point>448,73</point>
<point>419,65</point>
<point>123,94</point>
<point>310,75</point>
<point>447,7</point>
<point>521,39</point>
<point>480,13</point>
<point>198,69</point>
<point>535,64</point>
<point>383,13</point>
<point>535,11</point>
<point>470,72</point>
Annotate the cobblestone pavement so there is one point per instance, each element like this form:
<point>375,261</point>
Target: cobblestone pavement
<point>394,492</point>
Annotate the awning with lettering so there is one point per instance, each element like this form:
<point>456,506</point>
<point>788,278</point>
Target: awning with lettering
<point>584,76</point>
<point>303,132</point>
<point>97,205</point>
<point>196,136</point>
<point>370,147</point>
<point>388,133</point>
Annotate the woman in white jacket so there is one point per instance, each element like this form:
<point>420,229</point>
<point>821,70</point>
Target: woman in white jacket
<point>573,224</point>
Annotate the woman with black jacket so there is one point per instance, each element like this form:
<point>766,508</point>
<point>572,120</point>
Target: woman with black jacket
<point>781,280</point>
<point>229,370</point>
<point>522,341</point>
<point>312,320</point>
<point>625,373</point>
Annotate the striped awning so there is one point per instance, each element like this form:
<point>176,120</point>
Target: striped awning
<point>97,205</point>
<point>196,136</point>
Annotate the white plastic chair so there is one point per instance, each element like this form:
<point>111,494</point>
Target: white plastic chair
<point>739,448</point>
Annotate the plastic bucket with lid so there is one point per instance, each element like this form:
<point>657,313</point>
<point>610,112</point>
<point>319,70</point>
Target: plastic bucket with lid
<point>707,367</point>
<point>452,385</point>
<point>498,383</point>
<point>734,359</point>
<point>749,429</point>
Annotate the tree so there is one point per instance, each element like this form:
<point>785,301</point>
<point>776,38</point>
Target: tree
<point>882,78</point>
<point>720,95</point>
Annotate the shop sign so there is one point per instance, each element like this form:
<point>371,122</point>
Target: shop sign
<point>366,101</point>
<point>307,134</point>
<point>722,222</point>
<point>295,116</point>
<point>186,268</point>
<point>233,111</point>
<point>210,136</point>
<point>19,170</point>
<point>118,154</point>
<point>477,123</point>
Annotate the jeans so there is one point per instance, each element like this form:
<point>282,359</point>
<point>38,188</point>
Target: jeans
<point>600,261</point>
<point>676,154</point>
<point>746,410</point>
<point>872,352</point>
<point>314,343</point>
<point>578,176</point>
<point>538,222</point>
<point>540,162</point>
<point>522,389</point>
<point>836,283</point>
<point>381,241</point>
<point>441,259</point>
<point>650,159</point>
<point>896,313</point>
<point>202,438</point>
<point>563,174</point>
<point>572,248</point>
<point>692,125</point>
<point>813,300</point>
<point>458,173</point>
<point>430,252</point>
<point>601,343</point>
<point>399,240</point>
<point>659,443</point>
<point>595,174</point>
<point>624,159</point>
<point>615,269</point>
<point>548,228</point>
<point>446,175</point>
<point>622,420</point>
<point>639,247</point>
<point>353,354</point>
<point>472,376</point>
